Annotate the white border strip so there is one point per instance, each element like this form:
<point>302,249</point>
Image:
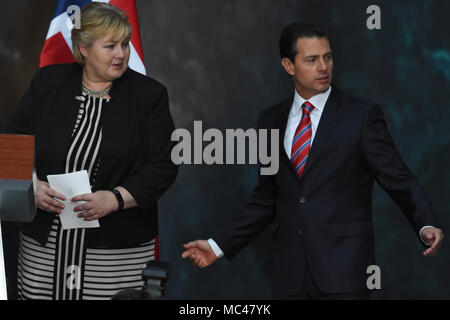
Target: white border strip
<point>3,293</point>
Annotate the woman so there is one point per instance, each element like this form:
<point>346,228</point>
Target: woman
<point>95,115</point>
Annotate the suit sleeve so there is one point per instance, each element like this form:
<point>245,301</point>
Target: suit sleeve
<point>257,213</point>
<point>158,172</point>
<point>392,174</point>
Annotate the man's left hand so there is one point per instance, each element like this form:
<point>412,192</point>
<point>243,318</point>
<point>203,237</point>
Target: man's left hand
<point>434,238</point>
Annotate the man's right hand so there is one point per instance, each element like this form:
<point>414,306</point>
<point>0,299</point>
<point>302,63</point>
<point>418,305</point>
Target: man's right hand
<point>45,198</point>
<point>200,253</point>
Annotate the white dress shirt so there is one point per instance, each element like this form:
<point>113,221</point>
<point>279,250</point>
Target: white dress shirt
<point>295,115</point>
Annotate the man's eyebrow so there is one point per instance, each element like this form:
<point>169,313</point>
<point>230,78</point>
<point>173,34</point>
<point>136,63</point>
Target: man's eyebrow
<point>312,56</point>
<point>317,55</point>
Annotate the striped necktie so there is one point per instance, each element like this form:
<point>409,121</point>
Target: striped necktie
<point>302,140</point>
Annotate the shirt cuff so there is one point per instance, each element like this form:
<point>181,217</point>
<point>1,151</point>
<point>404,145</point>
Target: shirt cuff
<point>420,234</point>
<point>217,251</point>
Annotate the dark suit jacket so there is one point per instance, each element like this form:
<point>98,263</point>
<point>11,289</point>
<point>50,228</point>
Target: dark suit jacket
<point>324,219</point>
<point>135,150</point>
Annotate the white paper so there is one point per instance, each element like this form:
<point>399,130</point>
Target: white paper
<point>71,185</point>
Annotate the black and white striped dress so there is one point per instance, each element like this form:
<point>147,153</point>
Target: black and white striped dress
<point>65,269</point>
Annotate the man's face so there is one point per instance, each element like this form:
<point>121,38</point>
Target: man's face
<point>313,66</point>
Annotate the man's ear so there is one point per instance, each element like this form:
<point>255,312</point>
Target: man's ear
<point>288,65</point>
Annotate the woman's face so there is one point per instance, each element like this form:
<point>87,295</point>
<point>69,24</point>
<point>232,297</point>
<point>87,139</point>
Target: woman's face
<point>106,59</point>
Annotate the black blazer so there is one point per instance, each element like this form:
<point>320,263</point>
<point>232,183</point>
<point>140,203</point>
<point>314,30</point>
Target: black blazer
<point>324,219</point>
<point>135,149</point>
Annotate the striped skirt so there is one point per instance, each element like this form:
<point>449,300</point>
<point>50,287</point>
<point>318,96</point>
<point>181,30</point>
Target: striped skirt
<point>64,269</point>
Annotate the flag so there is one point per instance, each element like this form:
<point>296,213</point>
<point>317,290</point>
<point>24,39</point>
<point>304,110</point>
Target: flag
<point>58,43</point>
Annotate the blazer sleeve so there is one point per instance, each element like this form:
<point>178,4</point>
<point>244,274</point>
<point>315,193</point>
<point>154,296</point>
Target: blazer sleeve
<point>158,172</point>
<point>257,213</point>
<point>392,174</point>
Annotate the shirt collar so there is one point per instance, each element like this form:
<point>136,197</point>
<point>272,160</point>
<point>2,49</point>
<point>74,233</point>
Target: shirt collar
<point>318,101</point>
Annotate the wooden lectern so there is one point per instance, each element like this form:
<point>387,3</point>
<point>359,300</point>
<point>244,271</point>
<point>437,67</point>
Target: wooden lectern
<point>17,201</point>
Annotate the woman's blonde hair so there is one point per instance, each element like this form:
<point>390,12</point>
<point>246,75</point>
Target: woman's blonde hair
<point>97,19</point>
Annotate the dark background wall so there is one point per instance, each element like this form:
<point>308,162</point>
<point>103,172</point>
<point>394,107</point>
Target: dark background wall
<point>220,62</point>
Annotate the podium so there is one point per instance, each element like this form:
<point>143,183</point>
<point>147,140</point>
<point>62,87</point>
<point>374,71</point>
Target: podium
<point>17,187</point>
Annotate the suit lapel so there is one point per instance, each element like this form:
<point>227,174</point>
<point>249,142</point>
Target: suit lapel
<point>282,119</point>
<point>331,116</point>
<point>281,124</point>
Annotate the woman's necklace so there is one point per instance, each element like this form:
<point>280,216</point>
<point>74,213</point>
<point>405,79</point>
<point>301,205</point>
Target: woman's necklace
<point>97,94</point>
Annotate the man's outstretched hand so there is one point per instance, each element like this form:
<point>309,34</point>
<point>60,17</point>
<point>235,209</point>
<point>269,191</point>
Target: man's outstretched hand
<point>434,237</point>
<point>200,253</point>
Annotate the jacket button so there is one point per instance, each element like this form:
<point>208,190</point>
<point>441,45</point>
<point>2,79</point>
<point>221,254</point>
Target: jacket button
<point>302,200</point>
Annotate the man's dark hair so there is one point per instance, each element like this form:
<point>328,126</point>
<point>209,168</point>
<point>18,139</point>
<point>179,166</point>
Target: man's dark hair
<point>295,30</point>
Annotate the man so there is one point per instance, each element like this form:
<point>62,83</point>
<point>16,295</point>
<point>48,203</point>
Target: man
<point>319,203</point>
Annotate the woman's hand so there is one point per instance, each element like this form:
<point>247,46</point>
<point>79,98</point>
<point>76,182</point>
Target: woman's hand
<point>99,204</point>
<point>46,198</point>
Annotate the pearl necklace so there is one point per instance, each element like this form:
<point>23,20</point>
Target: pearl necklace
<point>96,94</point>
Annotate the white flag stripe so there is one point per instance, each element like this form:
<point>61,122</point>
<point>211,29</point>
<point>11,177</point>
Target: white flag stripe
<point>63,24</point>
<point>135,62</point>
